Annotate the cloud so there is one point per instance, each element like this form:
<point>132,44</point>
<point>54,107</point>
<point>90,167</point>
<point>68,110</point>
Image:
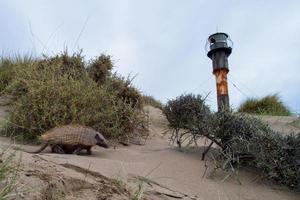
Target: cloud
<point>125,55</point>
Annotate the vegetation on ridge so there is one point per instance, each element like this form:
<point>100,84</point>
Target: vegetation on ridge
<point>150,100</point>
<point>268,105</point>
<point>65,89</point>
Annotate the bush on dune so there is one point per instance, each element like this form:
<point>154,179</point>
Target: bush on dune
<point>124,90</point>
<point>8,68</point>
<point>5,73</point>
<point>99,68</point>
<point>247,141</point>
<point>243,140</point>
<point>187,112</point>
<point>63,89</point>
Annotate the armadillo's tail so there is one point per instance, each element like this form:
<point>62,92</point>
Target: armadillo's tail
<point>39,150</point>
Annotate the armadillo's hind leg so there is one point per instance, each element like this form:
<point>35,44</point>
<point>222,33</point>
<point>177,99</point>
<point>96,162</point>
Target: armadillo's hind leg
<point>55,148</point>
<point>78,149</point>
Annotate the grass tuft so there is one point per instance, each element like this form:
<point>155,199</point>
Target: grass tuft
<point>8,174</point>
<point>268,105</point>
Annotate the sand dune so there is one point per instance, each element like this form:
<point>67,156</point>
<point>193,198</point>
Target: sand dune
<point>161,169</point>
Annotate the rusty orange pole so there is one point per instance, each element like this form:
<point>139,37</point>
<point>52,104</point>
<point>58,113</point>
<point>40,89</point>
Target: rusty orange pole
<point>222,89</point>
<point>219,50</point>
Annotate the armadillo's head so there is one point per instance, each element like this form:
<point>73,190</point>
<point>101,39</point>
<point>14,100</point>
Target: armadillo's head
<point>101,141</point>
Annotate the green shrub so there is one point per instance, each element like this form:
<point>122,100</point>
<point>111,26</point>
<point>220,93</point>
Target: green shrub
<point>248,141</point>
<point>99,69</point>
<point>6,73</point>
<point>186,111</point>
<point>7,69</point>
<point>124,90</point>
<point>58,90</point>
<point>268,105</point>
<point>279,157</point>
<point>64,64</point>
<point>243,139</point>
<point>227,127</point>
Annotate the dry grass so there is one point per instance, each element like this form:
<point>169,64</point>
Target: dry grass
<point>8,174</point>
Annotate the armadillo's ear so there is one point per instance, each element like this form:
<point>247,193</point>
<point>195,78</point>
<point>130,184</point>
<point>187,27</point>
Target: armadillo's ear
<point>98,138</point>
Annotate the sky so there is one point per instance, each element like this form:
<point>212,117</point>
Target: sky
<point>163,42</point>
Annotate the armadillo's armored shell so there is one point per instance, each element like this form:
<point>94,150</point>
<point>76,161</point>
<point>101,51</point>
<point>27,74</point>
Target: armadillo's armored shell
<point>71,135</point>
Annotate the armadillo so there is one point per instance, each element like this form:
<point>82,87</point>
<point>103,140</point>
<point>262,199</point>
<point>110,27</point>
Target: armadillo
<point>71,139</point>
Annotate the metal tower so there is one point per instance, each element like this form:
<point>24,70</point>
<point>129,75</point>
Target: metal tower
<point>219,50</point>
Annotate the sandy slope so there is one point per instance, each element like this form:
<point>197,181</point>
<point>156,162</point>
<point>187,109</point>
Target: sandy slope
<point>281,123</point>
<point>161,170</point>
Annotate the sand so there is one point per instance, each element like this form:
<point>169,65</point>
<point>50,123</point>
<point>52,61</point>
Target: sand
<point>156,170</point>
<point>281,123</point>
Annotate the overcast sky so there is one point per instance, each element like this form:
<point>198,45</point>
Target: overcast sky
<point>163,41</point>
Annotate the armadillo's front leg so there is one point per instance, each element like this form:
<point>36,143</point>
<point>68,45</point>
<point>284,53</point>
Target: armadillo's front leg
<point>88,150</point>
